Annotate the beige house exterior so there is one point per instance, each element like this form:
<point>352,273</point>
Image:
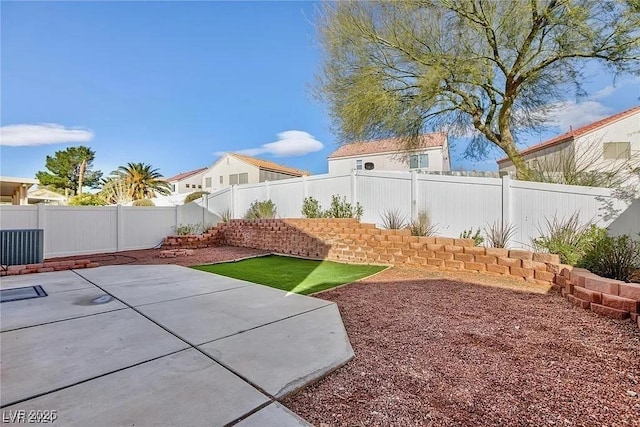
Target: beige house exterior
<point>606,145</point>
<point>430,155</point>
<point>14,190</point>
<point>187,182</point>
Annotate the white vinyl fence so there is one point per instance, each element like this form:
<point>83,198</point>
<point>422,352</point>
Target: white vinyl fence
<point>80,230</point>
<point>454,203</point>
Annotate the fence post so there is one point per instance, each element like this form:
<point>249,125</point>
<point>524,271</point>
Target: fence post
<point>414,195</point>
<point>42,225</point>
<point>234,200</point>
<point>267,190</point>
<point>305,187</point>
<point>120,228</point>
<point>506,200</point>
<point>354,187</point>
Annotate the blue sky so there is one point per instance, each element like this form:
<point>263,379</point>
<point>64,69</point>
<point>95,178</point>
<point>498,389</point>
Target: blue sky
<point>174,84</point>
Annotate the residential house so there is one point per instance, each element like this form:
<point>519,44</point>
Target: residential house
<point>604,145</point>
<point>187,182</point>
<point>431,154</point>
<point>14,190</point>
<point>231,169</point>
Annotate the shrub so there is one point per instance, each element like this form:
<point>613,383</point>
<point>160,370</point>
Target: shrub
<point>613,257</point>
<point>87,199</point>
<point>393,219</point>
<point>264,209</point>
<point>341,209</point>
<point>311,208</point>
<point>194,196</point>
<point>422,226</point>
<point>568,238</point>
<point>143,202</point>
<point>499,233</point>
<point>477,238</point>
<point>183,230</point>
<point>225,215</point>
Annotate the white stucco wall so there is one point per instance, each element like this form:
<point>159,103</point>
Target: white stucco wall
<point>193,180</point>
<point>228,165</point>
<point>438,161</point>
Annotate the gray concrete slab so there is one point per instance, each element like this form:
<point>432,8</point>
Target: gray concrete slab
<point>157,290</point>
<point>273,415</point>
<point>46,357</point>
<point>183,389</point>
<point>120,274</point>
<point>58,281</point>
<point>204,318</point>
<point>54,307</point>
<point>282,357</point>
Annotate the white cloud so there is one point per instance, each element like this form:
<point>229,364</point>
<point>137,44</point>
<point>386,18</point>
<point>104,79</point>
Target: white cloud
<point>41,134</point>
<point>290,143</point>
<point>571,114</point>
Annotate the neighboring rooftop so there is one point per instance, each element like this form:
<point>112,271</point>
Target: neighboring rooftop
<point>573,133</point>
<point>389,145</point>
<point>184,175</point>
<point>270,166</point>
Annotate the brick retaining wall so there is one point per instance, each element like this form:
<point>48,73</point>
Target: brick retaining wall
<point>48,266</point>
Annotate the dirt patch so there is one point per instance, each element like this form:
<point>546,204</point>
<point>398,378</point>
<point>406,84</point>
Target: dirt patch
<point>437,352</point>
<point>152,256</point>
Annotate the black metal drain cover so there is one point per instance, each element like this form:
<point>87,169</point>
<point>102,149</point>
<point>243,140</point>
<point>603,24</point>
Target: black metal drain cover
<point>17,294</point>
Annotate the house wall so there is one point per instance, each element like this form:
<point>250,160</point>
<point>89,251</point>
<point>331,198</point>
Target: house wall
<point>548,156</point>
<point>193,181</point>
<point>228,165</point>
<point>438,161</point>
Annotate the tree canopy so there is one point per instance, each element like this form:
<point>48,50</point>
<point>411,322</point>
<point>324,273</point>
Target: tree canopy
<point>142,180</point>
<point>70,169</point>
<point>492,68</point>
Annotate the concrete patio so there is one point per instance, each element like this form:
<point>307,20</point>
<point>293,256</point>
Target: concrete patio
<point>163,345</point>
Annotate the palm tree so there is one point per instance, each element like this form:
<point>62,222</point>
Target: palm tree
<point>143,180</point>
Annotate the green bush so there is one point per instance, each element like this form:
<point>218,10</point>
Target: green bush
<point>87,199</point>
<point>183,230</point>
<point>341,209</point>
<point>194,196</point>
<point>143,202</point>
<point>568,238</point>
<point>477,238</point>
<point>264,209</point>
<point>613,257</point>
<point>311,208</point>
<point>422,226</point>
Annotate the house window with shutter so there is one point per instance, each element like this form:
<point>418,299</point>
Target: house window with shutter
<point>617,150</point>
<point>233,179</point>
<point>207,182</point>
<point>243,178</point>
<point>418,161</point>
<point>359,164</point>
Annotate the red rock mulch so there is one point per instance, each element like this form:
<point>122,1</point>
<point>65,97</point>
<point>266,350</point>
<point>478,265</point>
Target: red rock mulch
<point>445,353</point>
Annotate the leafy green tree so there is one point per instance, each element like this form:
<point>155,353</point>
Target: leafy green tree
<point>491,67</point>
<point>87,199</point>
<point>142,180</point>
<point>70,169</point>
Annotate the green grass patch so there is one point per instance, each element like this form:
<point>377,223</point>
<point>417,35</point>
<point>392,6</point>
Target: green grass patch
<point>301,276</point>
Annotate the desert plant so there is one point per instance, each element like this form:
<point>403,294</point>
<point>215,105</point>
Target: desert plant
<point>311,208</point>
<point>263,209</point>
<point>143,202</point>
<point>194,196</point>
<point>393,219</point>
<point>477,237</point>
<point>87,199</point>
<point>499,234</point>
<point>422,225</point>
<point>225,215</point>
<point>183,230</point>
<point>115,191</point>
<point>613,257</point>
<point>340,208</point>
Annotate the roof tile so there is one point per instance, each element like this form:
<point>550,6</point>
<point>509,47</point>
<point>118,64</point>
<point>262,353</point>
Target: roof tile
<point>389,145</point>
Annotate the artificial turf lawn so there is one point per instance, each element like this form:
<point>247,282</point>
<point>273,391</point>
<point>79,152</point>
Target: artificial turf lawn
<point>301,276</point>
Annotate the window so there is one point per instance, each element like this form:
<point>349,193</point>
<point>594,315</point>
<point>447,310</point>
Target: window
<point>359,165</point>
<point>243,178</point>
<point>221,179</point>
<point>617,150</point>
<point>207,182</point>
<point>233,179</point>
<point>173,188</point>
<point>186,185</point>
<point>368,166</point>
<point>199,186</point>
<point>418,161</point>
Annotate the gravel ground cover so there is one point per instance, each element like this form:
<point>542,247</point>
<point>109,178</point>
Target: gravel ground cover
<point>438,352</point>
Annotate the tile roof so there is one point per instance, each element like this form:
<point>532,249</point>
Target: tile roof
<point>390,145</point>
<point>270,166</point>
<point>568,136</point>
<point>184,175</point>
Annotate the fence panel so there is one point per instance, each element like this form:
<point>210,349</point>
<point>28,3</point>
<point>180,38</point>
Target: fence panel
<point>322,187</point>
<point>246,195</point>
<point>220,201</point>
<point>380,192</point>
<point>17,217</point>
<point>145,227</point>
<point>194,213</point>
<point>288,196</point>
<point>80,230</point>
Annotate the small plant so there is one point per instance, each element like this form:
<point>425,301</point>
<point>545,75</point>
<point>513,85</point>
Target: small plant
<point>225,215</point>
<point>183,230</point>
<point>87,199</point>
<point>264,209</point>
<point>613,257</point>
<point>311,208</point>
<point>143,202</point>
<point>422,226</point>
<point>393,219</point>
<point>477,237</point>
<point>499,233</point>
<point>341,209</point>
<point>568,238</point>
<point>194,196</point>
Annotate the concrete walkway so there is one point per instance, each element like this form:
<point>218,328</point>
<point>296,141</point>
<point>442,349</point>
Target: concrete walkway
<point>162,345</point>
